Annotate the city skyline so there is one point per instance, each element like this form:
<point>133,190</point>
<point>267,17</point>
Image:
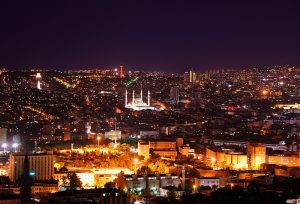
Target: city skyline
<point>153,36</point>
<point>149,102</point>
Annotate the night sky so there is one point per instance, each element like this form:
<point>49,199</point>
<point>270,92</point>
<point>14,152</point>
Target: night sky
<point>149,35</point>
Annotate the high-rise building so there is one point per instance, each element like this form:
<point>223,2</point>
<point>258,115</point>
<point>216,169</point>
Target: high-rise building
<point>174,94</point>
<point>122,75</point>
<point>40,165</point>
<point>38,78</point>
<point>3,136</point>
<point>191,76</point>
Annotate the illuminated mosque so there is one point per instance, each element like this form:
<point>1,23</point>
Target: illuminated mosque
<point>138,104</point>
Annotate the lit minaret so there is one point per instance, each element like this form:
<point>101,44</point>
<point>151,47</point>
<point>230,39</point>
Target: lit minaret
<point>132,97</point>
<point>115,145</point>
<point>148,98</point>
<point>141,93</point>
<point>126,98</point>
<point>38,78</point>
<point>183,177</point>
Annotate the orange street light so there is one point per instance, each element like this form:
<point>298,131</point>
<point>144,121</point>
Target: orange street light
<point>135,161</point>
<point>98,138</point>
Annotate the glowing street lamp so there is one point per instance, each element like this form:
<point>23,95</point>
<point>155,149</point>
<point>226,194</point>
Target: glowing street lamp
<point>98,138</point>
<point>4,145</point>
<point>15,145</point>
<point>135,161</point>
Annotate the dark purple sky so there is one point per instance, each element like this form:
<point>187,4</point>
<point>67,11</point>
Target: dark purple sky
<point>150,35</point>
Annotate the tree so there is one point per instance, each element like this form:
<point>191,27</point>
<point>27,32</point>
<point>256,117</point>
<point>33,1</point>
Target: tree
<point>146,192</point>
<point>120,181</point>
<point>71,181</point>
<point>171,195</point>
<point>204,188</point>
<point>75,181</point>
<point>144,170</point>
<point>110,185</point>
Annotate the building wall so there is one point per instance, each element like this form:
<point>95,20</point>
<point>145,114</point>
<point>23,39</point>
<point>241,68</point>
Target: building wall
<point>39,164</point>
<point>111,134</point>
<point>211,182</point>
<point>154,182</point>
<point>151,133</point>
<point>44,188</point>
<point>289,161</point>
<point>162,145</point>
<point>10,201</point>
<point>143,149</point>
<point>3,135</point>
<point>223,160</point>
<point>87,178</point>
<point>166,153</point>
<point>184,151</point>
<point>136,183</point>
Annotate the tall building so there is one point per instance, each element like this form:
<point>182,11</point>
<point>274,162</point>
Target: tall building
<point>3,135</point>
<point>256,155</point>
<point>122,75</point>
<point>38,78</point>
<point>40,166</point>
<point>174,94</point>
<point>191,76</point>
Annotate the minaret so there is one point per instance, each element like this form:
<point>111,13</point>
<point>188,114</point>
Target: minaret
<point>183,178</point>
<point>26,182</point>
<point>141,94</point>
<point>126,98</point>
<point>132,97</point>
<point>115,145</point>
<point>148,98</point>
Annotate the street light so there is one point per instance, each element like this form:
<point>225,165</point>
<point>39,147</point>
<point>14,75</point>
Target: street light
<point>15,145</point>
<point>4,145</point>
<point>98,138</point>
<point>194,187</point>
<point>135,161</point>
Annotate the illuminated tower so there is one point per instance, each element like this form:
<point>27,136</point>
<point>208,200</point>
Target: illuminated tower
<point>148,98</point>
<point>115,133</point>
<point>132,97</point>
<point>256,156</point>
<point>122,72</point>
<point>141,94</point>
<point>88,128</point>
<point>126,98</point>
<point>38,78</point>
<point>183,178</point>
